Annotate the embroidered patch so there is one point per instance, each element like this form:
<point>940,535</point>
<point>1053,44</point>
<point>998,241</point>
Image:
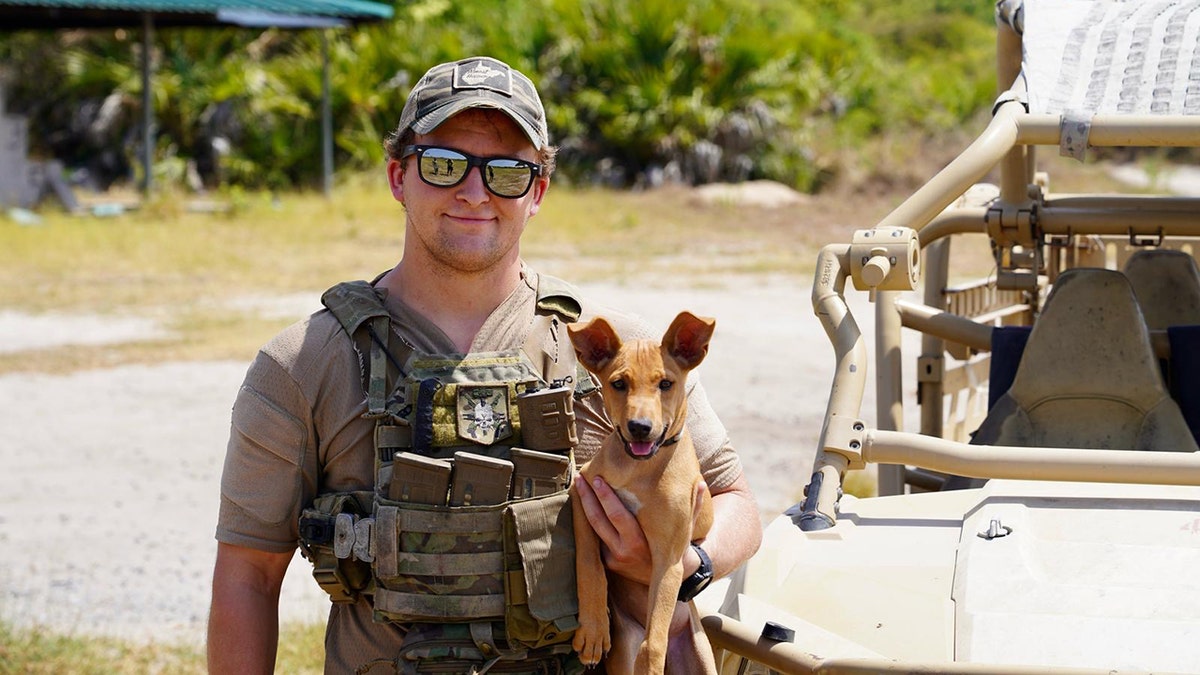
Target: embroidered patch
<point>482,75</point>
<point>483,414</point>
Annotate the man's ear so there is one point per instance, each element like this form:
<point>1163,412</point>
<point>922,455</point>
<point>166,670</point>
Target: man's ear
<point>596,344</point>
<point>541,185</point>
<point>395,175</point>
<point>686,339</point>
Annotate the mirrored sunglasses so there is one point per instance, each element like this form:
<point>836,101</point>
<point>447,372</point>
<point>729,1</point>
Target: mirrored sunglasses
<point>503,176</point>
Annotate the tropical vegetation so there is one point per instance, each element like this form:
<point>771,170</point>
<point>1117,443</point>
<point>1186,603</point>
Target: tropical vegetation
<point>637,91</point>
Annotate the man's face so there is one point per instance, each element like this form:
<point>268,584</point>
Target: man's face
<point>465,227</point>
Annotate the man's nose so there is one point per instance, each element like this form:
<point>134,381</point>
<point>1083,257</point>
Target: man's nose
<point>472,189</point>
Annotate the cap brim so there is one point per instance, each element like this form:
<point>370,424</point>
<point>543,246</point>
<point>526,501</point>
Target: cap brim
<point>435,118</point>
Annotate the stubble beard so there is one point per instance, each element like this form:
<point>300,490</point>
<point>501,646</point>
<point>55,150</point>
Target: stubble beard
<point>468,256</point>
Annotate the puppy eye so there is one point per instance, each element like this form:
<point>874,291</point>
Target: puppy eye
<point>665,384</point>
<point>618,385</point>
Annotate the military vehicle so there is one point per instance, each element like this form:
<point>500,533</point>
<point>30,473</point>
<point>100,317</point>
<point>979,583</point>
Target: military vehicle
<point>1045,515</point>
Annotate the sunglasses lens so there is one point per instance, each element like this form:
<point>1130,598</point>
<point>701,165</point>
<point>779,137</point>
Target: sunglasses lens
<point>439,166</point>
<point>508,177</point>
<point>446,168</point>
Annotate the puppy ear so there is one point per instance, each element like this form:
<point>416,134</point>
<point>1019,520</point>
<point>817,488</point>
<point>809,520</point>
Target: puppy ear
<point>686,340</point>
<point>596,343</point>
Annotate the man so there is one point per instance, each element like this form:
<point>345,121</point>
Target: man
<point>470,162</point>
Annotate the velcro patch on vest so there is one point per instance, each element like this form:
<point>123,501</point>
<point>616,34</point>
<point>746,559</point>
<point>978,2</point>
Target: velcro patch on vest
<point>483,413</point>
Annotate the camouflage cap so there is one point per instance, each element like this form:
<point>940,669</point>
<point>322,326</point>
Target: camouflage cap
<point>477,82</point>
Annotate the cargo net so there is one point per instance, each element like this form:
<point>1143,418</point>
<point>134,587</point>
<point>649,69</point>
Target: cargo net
<point>1112,57</point>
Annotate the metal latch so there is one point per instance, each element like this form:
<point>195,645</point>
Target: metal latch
<point>995,530</point>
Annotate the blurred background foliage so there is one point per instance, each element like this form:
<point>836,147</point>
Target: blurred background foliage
<point>637,91</point>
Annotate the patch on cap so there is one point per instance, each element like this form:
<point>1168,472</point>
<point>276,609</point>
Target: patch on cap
<point>484,74</point>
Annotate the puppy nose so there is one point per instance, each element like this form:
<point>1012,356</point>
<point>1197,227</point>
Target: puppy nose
<point>638,428</point>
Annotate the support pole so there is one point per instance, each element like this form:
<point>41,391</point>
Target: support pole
<point>326,118</point>
<point>889,391</point>
<point>147,105</point>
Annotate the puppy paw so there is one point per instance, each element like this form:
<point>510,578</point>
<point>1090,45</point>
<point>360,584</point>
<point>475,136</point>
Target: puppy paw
<point>592,641</point>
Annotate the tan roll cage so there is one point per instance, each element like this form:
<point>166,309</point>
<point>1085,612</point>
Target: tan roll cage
<point>1023,221</point>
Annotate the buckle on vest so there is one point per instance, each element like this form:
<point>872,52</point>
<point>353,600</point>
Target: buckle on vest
<point>352,537</point>
<point>316,530</point>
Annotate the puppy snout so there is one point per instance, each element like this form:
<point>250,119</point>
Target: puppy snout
<point>639,429</point>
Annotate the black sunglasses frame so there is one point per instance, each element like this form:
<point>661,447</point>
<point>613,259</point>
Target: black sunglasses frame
<point>473,161</point>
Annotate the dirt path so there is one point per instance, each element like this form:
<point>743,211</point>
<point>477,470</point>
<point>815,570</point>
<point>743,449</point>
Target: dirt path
<point>109,494</point>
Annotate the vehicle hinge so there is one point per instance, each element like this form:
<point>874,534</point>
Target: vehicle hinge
<point>1009,224</point>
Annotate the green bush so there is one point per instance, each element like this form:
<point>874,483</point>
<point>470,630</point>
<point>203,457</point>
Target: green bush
<point>636,90</point>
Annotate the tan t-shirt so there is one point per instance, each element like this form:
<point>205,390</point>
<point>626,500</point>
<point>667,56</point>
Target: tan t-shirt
<point>298,431</point>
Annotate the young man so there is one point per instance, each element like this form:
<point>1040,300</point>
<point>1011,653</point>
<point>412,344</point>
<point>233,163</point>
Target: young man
<point>470,162</point>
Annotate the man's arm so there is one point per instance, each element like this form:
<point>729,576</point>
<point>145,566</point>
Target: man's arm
<point>735,534</point>
<point>243,623</point>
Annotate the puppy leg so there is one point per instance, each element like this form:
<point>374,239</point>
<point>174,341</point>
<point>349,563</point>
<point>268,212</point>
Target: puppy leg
<point>702,511</point>
<point>592,638</point>
<point>627,636</point>
<point>689,651</point>
<point>664,589</point>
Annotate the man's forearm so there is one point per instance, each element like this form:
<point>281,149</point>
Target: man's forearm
<point>736,530</point>
<point>243,622</point>
<point>243,634</point>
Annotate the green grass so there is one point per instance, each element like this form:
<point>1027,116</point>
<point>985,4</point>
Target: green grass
<point>27,650</point>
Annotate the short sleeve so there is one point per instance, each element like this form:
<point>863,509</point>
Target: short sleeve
<point>261,482</point>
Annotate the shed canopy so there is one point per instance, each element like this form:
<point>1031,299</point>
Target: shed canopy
<point>49,14</point>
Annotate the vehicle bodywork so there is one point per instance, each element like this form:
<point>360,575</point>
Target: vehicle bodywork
<point>1079,557</point>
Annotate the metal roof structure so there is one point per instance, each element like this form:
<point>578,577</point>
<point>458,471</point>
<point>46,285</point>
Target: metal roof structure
<point>1112,58</point>
<point>54,14</point>
<point>149,14</point>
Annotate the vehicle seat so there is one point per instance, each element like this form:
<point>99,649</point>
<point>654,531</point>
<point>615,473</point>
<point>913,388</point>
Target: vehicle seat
<point>1088,377</point>
<point>1167,286</point>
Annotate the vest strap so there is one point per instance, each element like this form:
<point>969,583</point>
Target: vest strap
<point>439,607</point>
<point>377,384</point>
<point>353,302</point>
<point>458,521</point>
<point>558,296</point>
<point>450,564</point>
<point>387,541</point>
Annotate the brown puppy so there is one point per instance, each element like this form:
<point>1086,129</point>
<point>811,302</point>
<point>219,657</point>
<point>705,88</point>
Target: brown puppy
<point>650,462</point>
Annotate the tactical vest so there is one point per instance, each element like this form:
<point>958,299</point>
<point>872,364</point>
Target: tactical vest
<point>469,521</point>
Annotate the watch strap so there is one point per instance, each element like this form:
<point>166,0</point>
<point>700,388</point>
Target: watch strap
<point>699,579</point>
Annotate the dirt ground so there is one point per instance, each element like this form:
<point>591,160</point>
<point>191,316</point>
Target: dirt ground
<point>109,497</point>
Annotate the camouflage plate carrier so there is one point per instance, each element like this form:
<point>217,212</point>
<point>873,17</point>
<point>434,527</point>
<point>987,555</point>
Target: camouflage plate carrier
<point>466,539</point>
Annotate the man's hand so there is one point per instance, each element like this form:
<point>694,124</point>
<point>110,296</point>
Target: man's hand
<point>625,550</point>
<point>623,544</point>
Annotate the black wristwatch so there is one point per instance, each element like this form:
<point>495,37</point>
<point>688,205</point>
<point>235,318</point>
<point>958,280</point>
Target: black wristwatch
<point>699,580</point>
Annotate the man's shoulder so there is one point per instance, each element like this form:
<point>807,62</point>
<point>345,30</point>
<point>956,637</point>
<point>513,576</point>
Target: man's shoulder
<point>583,307</point>
<point>629,326</point>
<point>307,342</point>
